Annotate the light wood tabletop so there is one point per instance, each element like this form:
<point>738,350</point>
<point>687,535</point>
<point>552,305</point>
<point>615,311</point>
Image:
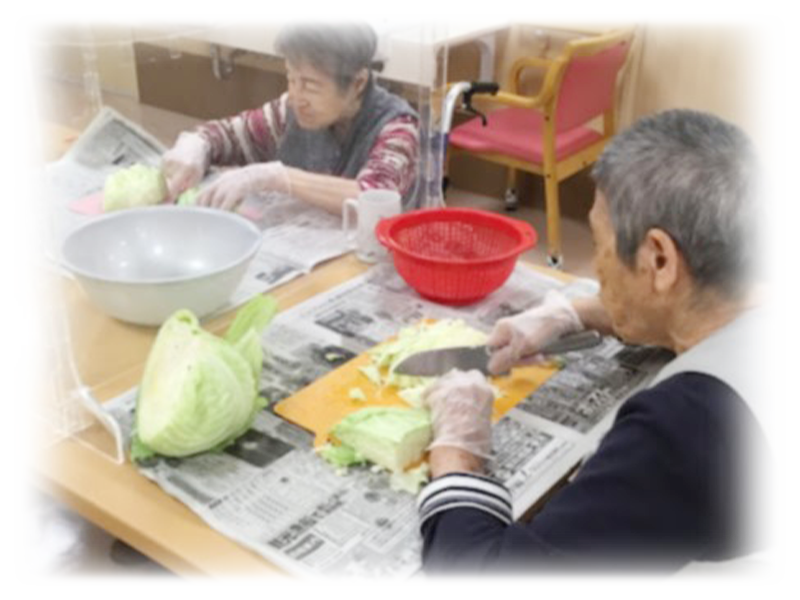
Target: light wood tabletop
<point>109,356</point>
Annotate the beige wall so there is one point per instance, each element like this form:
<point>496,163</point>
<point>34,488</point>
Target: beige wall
<point>70,53</point>
<point>703,69</point>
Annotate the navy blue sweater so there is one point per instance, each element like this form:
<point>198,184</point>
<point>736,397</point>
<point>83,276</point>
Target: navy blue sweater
<point>663,489</point>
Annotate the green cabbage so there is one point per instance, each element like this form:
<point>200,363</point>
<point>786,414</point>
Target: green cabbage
<point>189,197</point>
<point>199,391</point>
<point>138,185</point>
<point>391,437</point>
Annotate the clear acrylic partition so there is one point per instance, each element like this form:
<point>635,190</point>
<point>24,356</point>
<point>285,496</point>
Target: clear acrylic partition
<point>158,81</point>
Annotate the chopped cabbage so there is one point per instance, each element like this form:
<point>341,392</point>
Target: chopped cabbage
<point>341,456</point>
<point>138,185</point>
<point>388,436</point>
<point>199,391</point>
<point>392,437</point>
<point>357,394</point>
<point>411,480</point>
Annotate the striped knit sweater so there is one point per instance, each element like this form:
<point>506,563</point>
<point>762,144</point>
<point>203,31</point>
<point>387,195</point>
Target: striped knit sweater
<point>255,135</point>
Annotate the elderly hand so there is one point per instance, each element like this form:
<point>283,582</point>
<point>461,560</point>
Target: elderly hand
<point>461,410</point>
<point>517,340</point>
<point>231,188</point>
<point>185,164</point>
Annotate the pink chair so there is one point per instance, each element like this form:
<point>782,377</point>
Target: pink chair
<point>548,134</point>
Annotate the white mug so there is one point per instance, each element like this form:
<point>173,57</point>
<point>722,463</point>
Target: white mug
<point>370,207</point>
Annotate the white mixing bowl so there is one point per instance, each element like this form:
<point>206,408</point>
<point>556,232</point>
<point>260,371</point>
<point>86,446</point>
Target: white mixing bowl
<point>142,264</point>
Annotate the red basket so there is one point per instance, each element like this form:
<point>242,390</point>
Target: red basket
<point>455,255</point>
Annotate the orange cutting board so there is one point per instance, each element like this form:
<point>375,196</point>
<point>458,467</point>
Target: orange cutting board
<point>321,405</point>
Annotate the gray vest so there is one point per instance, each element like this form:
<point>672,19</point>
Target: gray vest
<point>319,151</point>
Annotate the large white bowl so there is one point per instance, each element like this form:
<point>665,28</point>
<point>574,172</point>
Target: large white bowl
<point>142,264</point>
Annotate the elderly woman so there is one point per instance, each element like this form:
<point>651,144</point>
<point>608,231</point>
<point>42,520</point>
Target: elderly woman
<point>334,133</point>
<point>666,485</point>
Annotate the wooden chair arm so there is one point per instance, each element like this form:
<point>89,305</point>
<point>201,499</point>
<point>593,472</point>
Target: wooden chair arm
<point>525,63</point>
<point>514,100</point>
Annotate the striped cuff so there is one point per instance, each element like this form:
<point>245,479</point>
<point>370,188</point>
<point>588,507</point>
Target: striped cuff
<point>464,490</point>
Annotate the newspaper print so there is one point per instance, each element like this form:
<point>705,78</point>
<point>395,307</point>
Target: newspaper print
<point>112,142</point>
<point>271,492</point>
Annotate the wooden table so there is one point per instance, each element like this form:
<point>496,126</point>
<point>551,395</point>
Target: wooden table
<point>110,357</point>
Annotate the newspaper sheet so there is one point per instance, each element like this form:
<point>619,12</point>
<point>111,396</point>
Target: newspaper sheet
<point>271,493</point>
<point>112,142</point>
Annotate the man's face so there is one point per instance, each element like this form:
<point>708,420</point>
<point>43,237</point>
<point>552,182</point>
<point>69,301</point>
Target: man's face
<point>624,292</point>
<point>315,98</point>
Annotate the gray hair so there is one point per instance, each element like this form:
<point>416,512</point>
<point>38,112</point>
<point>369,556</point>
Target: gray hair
<point>692,175</point>
<point>340,50</point>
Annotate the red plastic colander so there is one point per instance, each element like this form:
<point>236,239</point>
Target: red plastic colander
<point>455,255</point>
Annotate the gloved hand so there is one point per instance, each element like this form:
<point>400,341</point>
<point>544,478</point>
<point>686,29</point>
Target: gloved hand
<point>516,340</point>
<point>461,410</point>
<point>232,187</point>
<point>185,164</point>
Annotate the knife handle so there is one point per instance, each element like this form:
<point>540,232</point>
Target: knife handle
<point>574,341</point>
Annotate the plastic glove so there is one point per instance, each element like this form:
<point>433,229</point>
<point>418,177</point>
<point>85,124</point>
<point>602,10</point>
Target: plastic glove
<point>232,187</point>
<point>516,340</point>
<point>461,410</point>
<point>185,164</point>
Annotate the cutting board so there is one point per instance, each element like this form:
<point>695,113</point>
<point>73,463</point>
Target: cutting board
<point>321,405</point>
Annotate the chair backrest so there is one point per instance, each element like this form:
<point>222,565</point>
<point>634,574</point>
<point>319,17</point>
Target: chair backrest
<point>583,78</point>
<point>588,84</point>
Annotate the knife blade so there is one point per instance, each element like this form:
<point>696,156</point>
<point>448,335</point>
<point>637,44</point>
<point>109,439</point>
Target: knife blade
<point>432,363</point>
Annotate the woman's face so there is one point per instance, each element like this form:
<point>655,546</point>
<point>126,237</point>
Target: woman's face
<point>316,99</point>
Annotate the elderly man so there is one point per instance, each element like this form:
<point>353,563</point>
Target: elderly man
<point>667,484</point>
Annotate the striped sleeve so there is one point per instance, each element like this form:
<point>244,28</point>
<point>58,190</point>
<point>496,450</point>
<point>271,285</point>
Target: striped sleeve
<point>393,160</point>
<point>249,137</point>
<point>465,490</point>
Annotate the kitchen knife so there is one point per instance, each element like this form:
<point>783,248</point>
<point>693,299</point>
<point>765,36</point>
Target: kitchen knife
<point>432,363</point>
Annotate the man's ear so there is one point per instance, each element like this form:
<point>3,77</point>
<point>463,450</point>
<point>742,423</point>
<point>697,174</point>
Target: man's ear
<point>659,256</point>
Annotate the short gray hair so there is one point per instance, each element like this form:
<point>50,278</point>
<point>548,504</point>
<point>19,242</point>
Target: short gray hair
<point>340,50</point>
<point>692,175</point>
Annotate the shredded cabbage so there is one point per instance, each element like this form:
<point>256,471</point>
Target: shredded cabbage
<point>199,391</point>
<point>138,185</point>
<point>445,333</point>
<point>391,437</point>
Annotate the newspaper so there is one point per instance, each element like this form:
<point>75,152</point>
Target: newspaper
<point>270,491</point>
<point>112,142</point>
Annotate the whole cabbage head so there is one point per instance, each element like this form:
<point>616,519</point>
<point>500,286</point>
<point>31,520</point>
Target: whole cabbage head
<point>137,185</point>
<point>200,391</point>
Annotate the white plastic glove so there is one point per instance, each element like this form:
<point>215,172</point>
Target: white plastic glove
<point>517,340</point>
<point>461,410</point>
<point>232,187</point>
<point>185,164</point>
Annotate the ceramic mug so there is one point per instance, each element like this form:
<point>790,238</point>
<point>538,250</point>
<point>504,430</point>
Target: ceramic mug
<point>370,207</point>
